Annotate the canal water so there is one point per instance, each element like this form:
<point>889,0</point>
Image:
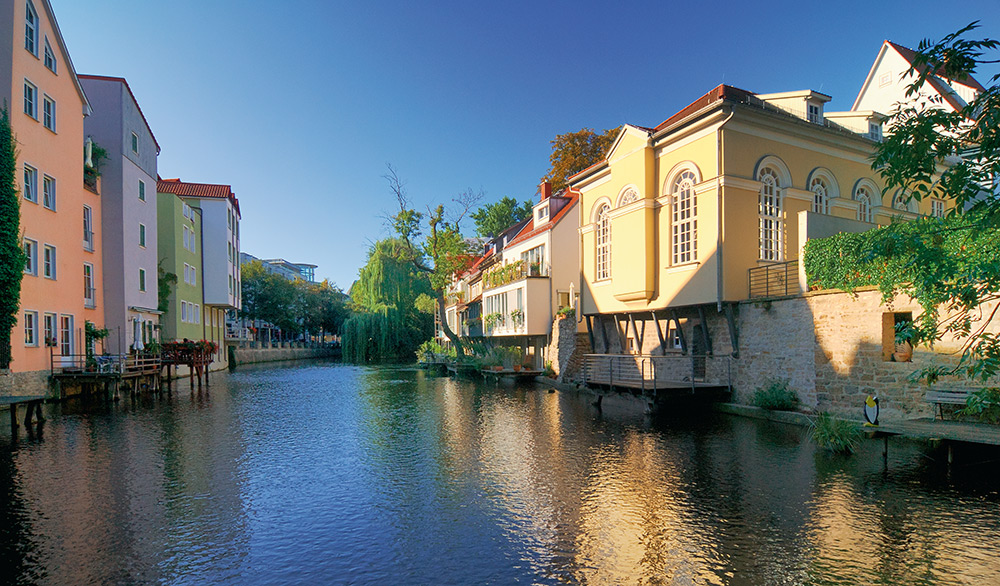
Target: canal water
<point>331,474</point>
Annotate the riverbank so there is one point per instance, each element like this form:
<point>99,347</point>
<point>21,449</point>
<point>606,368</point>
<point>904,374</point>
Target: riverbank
<point>259,355</point>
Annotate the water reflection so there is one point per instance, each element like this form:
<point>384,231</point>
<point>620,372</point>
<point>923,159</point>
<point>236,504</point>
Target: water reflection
<point>333,474</point>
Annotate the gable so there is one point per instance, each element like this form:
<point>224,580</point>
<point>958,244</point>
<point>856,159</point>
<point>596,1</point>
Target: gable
<point>630,139</point>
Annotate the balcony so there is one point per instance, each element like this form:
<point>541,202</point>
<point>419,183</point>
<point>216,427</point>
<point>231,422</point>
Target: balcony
<point>515,271</point>
<point>520,308</point>
<point>89,296</point>
<point>774,280</point>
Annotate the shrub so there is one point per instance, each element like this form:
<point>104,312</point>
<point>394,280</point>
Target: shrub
<point>983,405</point>
<point>566,312</point>
<point>549,371</point>
<point>840,436</point>
<point>776,396</point>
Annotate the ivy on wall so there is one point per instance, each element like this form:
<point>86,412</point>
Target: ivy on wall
<point>11,253</point>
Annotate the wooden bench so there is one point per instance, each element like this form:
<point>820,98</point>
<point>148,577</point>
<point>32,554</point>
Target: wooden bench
<point>946,396</point>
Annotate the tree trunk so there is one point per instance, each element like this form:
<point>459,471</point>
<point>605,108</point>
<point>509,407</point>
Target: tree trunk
<point>443,317</point>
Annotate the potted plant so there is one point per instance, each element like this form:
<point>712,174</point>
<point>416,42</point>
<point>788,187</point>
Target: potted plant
<point>565,312</point>
<point>535,269</point>
<point>517,317</point>
<point>905,336</point>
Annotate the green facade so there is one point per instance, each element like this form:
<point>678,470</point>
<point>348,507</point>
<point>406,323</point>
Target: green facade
<point>186,315</point>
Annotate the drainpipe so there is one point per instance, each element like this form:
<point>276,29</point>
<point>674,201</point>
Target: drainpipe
<point>201,250</point>
<point>718,185</point>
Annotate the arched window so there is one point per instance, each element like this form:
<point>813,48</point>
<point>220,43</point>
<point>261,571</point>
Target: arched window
<point>770,215</point>
<point>603,239</point>
<point>821,202</point>
<point>685,224</point>
<point>864,200</point>
<point>628,196</point>
<point>901,200</point>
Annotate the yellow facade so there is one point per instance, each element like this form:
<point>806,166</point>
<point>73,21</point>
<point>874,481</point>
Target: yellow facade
<point>720,149</point>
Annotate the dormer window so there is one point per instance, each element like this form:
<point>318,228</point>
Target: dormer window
<point>814,113</point>
<point>542,214</point>
<point>875,131</point>
<point>50,57</point>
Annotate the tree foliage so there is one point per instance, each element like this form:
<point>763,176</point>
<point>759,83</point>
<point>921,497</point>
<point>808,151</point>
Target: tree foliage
<point>494,218</point>
<point>292,306</point>
<point>433,243</point>
<point>11,254</point>
<point>388,324</point>
<point>575,151</point>
<point>950,266</point>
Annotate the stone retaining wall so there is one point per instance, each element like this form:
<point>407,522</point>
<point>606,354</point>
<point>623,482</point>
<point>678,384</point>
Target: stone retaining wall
<point>254,355</point>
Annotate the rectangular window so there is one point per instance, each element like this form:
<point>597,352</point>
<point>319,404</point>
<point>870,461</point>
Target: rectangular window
<point>50,329</point>
<point>937,208</point>
<point>66,335</point>
<point>814,115</point>
<point>186,210</point>
<point>135,143</point>
<point>197,313</point>
<point>49,113</point>
<point>50,57</point>
<point>895,326</point>
<point>88,285</point>
<point>49,192</point>
<point>230,284</point>
<point>563,299</point>
<point>534,261</point>
<point>30,257</point>
<point>30,29</point>
<point>184,311</point>
<point>674,339</point>
<point>142,190</point>
<point>31,184</point>
<point>49,262</point>
<point>874,131</point>
<point>142,279</point>
<point>31,328</point>
<point>30,99</point>
<point>142,235</point>
<point>88,228</point>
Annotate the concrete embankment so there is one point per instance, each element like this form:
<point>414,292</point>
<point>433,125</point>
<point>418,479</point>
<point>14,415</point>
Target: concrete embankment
<point>255,355</point>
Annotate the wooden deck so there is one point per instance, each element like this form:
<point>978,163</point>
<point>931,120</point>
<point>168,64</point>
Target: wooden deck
<point>523,374</point>
<point>34,403</point>
<point>935,429</point>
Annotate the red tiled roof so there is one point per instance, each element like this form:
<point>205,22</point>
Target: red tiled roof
<point>125,83</point>
<point>910,54</point>
<point>185,189</point>
<point>720,92</point>
<point>530,229</point>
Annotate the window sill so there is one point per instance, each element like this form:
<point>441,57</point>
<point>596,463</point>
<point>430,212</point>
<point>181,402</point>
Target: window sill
<point>602,282</point>
<point>683,267</point>
<point>89,305</point>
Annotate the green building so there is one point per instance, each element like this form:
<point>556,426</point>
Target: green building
<point>179,239</point>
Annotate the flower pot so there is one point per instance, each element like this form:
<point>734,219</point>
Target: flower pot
<point>517,368</point>
<point>903,353</point>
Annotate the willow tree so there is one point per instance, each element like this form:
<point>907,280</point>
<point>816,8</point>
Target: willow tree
<point>441,252</point>
<point>11,253</point>
<point>387,323</point>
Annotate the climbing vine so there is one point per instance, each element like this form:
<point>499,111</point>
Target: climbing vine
<point>11,253</point>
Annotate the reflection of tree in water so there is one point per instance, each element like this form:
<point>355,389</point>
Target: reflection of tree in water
<point>20,560</point>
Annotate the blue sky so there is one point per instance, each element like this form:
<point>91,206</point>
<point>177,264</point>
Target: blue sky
<point>300,104</point>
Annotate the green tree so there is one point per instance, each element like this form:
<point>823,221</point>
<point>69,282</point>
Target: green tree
<point>11,254</point>
<point>164,282</point>
<point>386,324</point>
<point>494,218</point>
<point>441,252</point>
<point>575,151</point>
<point>951,266</point>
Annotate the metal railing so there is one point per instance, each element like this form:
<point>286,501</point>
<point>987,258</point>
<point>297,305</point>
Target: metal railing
<point>88,240</point>
<point>111,364</point>
<point>647,372</point>
<point>89,296</point>
<point>774,280</point>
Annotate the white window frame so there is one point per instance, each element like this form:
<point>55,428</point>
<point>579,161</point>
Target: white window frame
<point>135,143</point>
<point>875,131</point>
<point>770,223</point>
<point>30,248</point>
<point>31,104</point>
<point>602,244</point>
<point>864,199</point>
<point>49,262</point>
<point>31,328</point>
<point>142,190</point>
<point>142,280</point>
<point>88,229</point>
<point>30,183</point>
<point>684,228</point>
<point>937,207</point>
<point>49,57</point>
<point>31,29</point>
<point>50,328</point>
<point>89,293</point>
<point>142,235</point>
<point>48,113</point>
<point>821,196</point>
<point>66,334</point>
<point>184,311</point>
<point>49,192</point>
<point>814,113</point>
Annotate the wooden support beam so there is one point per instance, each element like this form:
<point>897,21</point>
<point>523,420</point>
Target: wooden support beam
<point>635,331</point>
<point>734,334</point>
<point>704,330</point>
<point>680,331</point>
<point>13,421</point>
<point>590,330</point>
<point>659,332</point>
<point>622,332</point>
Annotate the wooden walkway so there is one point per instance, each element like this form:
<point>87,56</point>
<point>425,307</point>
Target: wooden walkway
<point>34,406</point>
<point>956,431</point>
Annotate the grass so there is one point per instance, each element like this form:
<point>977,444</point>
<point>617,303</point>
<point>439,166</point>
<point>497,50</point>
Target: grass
<point>776,396</point>
<point>837,435</point>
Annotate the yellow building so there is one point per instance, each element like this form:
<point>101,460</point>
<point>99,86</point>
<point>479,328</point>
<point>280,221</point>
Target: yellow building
<point>711,207</point>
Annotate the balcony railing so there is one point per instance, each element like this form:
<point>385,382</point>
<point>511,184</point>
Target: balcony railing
<point>774,280</point>
<point>514,271</point>
<point>89,296</point>
<point>88,240</point>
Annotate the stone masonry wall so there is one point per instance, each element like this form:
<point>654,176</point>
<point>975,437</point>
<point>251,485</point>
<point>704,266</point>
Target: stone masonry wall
<point>252,355</point>
<point>563,345</point>
<point>776,342</point>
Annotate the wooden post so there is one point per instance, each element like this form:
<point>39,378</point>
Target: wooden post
<point>13,421</point>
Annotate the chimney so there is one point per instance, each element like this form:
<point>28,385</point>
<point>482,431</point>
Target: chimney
<point>546,190</point>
